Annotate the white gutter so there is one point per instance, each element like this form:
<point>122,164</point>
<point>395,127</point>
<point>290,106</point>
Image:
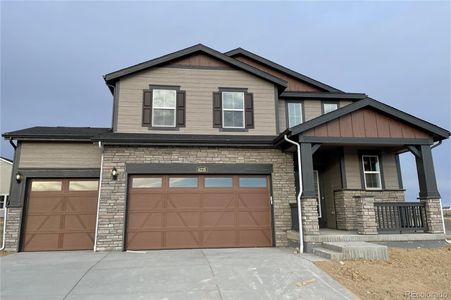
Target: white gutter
<point>298,198</point>
<point>98,198</point>
<point>5,214</point>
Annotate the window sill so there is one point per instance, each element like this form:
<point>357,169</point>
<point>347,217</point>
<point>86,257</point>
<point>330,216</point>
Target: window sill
<point>234,129</point>
<point>164,128</point>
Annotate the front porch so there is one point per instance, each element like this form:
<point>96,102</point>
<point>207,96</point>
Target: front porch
<point>351,184</point>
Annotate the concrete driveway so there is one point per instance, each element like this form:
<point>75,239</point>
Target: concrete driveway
<point>263,273</point>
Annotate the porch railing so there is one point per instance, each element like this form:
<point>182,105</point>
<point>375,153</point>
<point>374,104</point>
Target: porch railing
<point>400,216</point>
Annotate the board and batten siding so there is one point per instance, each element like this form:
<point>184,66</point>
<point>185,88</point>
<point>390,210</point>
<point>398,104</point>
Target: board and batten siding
<point>199,85</point>
<point>59,155</point>
<point>353,172</point>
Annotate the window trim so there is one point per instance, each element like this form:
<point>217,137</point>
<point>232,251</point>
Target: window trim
<point>287,113</point>
<point>4,197</point>
<point>323,102</point>
<point>233,109</point>
<point>166,108</point>
<point>363,172</point>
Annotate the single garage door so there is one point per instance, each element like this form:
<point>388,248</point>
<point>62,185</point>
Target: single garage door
<point>170,212</point>
<point>61,215</point>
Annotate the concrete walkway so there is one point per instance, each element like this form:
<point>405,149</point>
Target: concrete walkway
<point>261,273</point>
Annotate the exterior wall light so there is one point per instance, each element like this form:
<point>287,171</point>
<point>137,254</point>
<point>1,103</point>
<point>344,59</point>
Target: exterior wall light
<point>114,173</point>
<point>19,177</point>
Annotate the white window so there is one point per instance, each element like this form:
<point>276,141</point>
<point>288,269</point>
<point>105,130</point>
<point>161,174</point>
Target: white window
<point>371,172</point>
<point>233,109</point>
<point>163,108</point>
<point>328,107</point>
<point>295,114</point>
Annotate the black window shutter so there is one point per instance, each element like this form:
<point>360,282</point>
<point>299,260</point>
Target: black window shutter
<point>217,110</point>
<point>147,108</point>
<point>181,104</point>
<point>249,110</point>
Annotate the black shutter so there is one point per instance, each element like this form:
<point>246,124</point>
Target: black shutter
<point>147,108</point>
<point>181,104</point>
<point>217,110</point>
<point>249,110</point>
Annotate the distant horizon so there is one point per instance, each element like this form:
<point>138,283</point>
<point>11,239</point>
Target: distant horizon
<point>54,55</point>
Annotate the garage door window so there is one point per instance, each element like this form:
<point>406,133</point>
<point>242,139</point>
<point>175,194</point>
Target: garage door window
<point>46,186</point>
<point>253,182</point>
<point>146,182</point>
<point>218,182</point>
<point>183,182</point>
<point>83,185</point>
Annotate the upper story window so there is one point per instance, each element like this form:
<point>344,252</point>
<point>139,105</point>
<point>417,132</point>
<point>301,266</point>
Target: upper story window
<point>233,109</point>
<point>163,107</point>
<point>295,113</point>
<point>371,172</point>
<point>329,106</point>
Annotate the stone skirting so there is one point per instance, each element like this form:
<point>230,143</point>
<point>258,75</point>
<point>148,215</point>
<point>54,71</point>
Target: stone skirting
<point>13,224</point>
<point>433,215</point>
<point>113,192</point>
<point>345,204</point>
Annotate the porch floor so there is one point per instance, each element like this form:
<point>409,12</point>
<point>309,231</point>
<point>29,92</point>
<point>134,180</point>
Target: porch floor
<point>332,235</point>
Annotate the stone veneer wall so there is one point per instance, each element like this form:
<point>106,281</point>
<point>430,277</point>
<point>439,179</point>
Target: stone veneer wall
<point>345,204</point>
<point>12,234</point>
<point>113,193</point>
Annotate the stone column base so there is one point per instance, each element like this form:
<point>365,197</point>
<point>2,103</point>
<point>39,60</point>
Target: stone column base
<point>433,215</point>
<point>310,224</point>
<point>12,234</point>
<point>365,215</point>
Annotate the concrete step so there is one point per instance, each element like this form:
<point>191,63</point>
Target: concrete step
<point>327,253</point>
<point>358,250</point>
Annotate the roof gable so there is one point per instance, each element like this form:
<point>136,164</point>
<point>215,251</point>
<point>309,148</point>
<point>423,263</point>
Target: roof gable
<point>296,81</point>
<point>370,118</point>
<point>114,76</point>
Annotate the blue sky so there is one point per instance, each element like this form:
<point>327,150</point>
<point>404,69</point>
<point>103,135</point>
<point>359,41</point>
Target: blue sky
<point>54,53</point>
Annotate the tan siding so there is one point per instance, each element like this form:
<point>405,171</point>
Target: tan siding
<point>343,103</point>
<point>390,170</point>
<point>312,109</point>
<point>199,85</point>
<point>5,177</point>
<point>59,155</point>
<point>352,168</point>
<point>282,115</point>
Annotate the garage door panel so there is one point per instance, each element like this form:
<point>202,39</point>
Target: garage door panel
<point>221,219</point>
<point>59,220</point>
<point>220,238</point>
<point>254,218</point>
<point>183,239</point>
<point>145,220</point>
<point>146,202</point>
<point>145,240</point>
<point>198,217</point>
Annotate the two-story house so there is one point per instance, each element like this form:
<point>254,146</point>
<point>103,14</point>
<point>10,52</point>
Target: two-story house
<point>211,149</point>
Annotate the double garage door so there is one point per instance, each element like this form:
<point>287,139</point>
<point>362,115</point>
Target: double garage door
<point>170,212</point>
<point>163,212</point>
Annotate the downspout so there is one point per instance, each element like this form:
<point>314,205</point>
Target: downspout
<point>5,207</point>
<point>98,197</point>
<point>298,197</point>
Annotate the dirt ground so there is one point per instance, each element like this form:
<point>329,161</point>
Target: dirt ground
<point>420,270</point>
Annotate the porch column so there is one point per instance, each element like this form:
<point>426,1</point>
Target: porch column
<point>428,188</point>
<point>365,215</point>
<point>309,202</point>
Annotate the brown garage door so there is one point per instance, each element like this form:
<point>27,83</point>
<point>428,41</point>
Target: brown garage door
<point>61,215</point>
<point>169,212</point>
